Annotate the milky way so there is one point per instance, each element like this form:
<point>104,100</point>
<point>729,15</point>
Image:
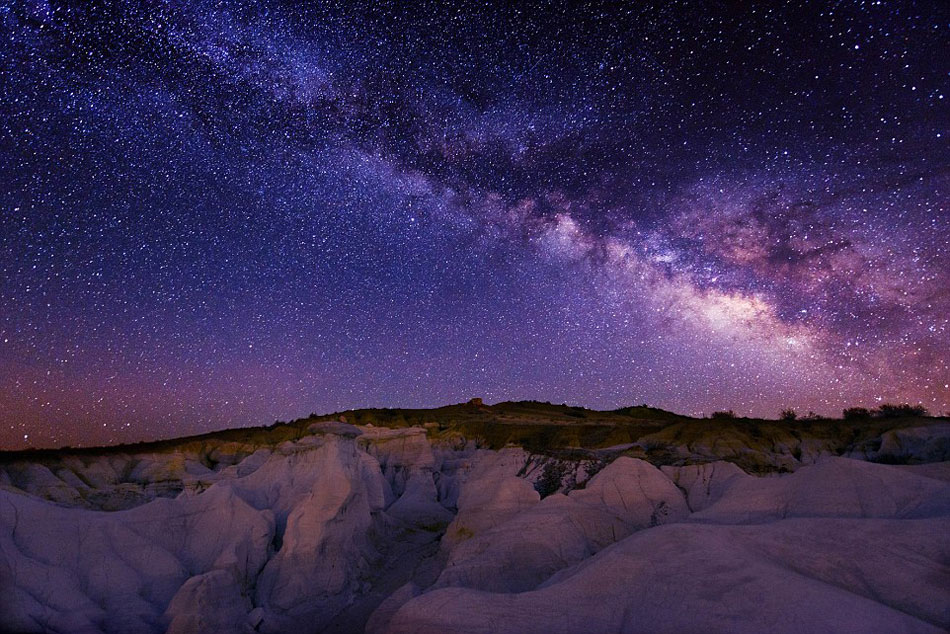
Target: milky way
<point>226,213</point>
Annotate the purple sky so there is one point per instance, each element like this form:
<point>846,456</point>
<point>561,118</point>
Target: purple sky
<point>223,214</point>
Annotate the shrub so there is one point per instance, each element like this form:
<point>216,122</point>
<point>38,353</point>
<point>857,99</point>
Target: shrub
<point>788,414</point>
<point>856,413</point>
<point>659,512</point>
<point>595,465</point>
<point>889,410</point>
<point>552,475</point>
<point>726,414</point>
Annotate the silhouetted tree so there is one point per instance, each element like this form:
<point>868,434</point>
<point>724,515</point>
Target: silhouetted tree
<point>889,410</point>
<point>724,414</point>
<point>788,414</point>
<point>856,413</point>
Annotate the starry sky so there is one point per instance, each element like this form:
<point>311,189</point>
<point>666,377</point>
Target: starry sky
<point>218,213</point>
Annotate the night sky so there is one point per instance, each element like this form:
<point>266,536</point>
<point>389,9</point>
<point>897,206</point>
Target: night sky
<point>216,214</point>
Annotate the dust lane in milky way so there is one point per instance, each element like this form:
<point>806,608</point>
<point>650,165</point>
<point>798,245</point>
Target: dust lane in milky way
<point>224,213</point>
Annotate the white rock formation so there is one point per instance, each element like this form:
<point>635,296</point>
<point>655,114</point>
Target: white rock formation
<point>490,493</point>
<point>803,575</point>
<point>536,540</point>
<point>930,442</point>
<point>408,465</point>
<point>636,492</point>
<point>72,570</point>
<point>325,499</point>
<point>836,487</point>
<point>341,527</point>
<point>704,483</point>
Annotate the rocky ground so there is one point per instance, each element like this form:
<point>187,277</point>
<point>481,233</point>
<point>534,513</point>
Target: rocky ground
<point>512,518</point>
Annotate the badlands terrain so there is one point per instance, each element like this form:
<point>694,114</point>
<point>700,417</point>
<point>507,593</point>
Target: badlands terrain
<point>517,517</point>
